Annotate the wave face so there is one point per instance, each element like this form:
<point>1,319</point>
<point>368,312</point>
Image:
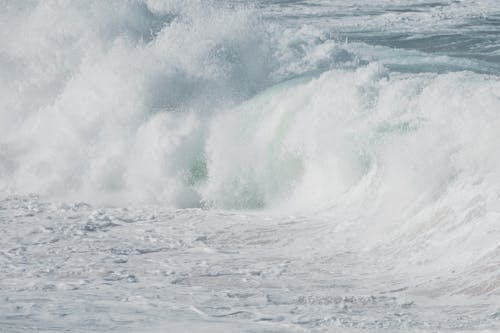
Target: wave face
<point>208,104</point>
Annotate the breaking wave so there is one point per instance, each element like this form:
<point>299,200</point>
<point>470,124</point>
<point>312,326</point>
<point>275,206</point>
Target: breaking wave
<point>205,104</point>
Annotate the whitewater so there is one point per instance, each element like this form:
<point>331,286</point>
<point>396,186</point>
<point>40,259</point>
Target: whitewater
<point>272,166</point>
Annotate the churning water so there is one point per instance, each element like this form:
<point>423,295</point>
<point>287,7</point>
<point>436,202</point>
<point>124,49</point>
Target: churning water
<point>250,166</point>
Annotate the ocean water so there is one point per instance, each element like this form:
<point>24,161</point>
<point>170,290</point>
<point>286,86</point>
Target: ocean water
<point>273,166</point>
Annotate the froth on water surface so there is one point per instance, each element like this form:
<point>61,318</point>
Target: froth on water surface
<point>82,268</point>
